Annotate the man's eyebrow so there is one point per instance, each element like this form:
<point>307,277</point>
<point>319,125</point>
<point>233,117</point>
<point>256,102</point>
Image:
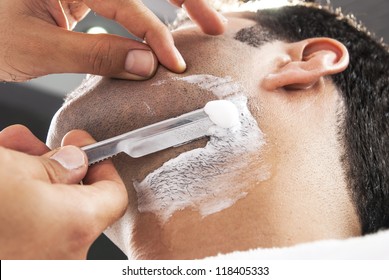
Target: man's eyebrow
<point>254,36</point>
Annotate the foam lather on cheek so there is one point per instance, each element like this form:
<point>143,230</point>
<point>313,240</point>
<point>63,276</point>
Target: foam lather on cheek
<point>223,113</point>
<point>208,179</point>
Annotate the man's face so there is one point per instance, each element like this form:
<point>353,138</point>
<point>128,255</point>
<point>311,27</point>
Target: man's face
<point>264,185</point>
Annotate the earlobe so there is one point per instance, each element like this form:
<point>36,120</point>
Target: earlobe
<point>310,60</point>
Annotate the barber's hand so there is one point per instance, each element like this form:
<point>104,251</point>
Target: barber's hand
<point>44,212</point>
<point>36,38</point>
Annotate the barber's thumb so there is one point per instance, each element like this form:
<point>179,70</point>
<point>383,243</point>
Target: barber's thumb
<point>66,165</point>
<point>107,55</point>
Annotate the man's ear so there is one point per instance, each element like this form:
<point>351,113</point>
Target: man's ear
<point>308,61</point>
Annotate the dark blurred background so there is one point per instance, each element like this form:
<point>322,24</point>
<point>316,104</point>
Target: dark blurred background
<point>34,103</point>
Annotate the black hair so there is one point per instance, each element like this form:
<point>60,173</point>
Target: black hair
<point>364,86</point>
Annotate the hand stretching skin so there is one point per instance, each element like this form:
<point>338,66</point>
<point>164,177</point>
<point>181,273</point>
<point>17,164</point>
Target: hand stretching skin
<point>36,38</point>
<point>45,213</point>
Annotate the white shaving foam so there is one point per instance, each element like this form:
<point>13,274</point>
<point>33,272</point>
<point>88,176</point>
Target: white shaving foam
<point>206,179</point>
<point>223,113</point>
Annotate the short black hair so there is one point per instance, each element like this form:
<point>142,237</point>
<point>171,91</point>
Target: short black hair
<point>364,86</point>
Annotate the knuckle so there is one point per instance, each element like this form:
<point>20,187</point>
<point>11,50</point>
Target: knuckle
<point>100,57</point>
<point>13,68</point>
<point>14,44</point>
<point>10,72</point>
<point>161,29</point>
<point>142,19</point>
<point>18,129</point>
<point>53,171</point>
<point>158,31</point>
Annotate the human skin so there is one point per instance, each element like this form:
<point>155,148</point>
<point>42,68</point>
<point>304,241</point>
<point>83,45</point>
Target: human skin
<point>295,106</point>
<point>46,213</point>
<point>37,38</point>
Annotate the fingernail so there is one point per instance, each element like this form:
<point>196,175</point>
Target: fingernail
<point>140,62</point>
<point>70,157</point>
<point>181,61</point>
<point>223,18</point>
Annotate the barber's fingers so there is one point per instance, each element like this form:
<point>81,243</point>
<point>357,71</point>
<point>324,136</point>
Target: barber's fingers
<point>143,23</point>
<point>100,54</point>
<point>75,11</point>
<point>67,13</point>
<point>104,191</point>
<point>32,159</point>
<point>99,171</point>
<point>34,48</point>
<point>66,165</point>
<point>20,138</point>
<point>208,19</point>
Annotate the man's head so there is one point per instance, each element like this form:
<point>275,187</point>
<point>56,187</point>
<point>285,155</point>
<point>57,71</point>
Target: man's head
<point>308,162</point>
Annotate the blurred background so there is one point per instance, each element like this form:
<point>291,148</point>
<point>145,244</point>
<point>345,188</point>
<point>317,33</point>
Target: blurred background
<point>34,103</point>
